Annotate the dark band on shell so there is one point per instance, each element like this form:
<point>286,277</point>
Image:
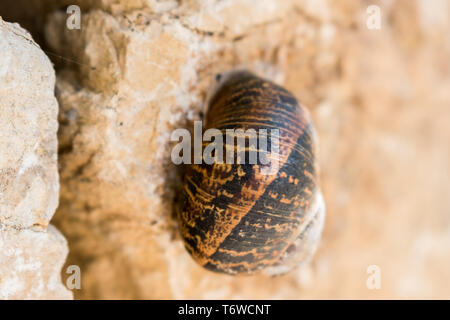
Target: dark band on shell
<point>232,218</point>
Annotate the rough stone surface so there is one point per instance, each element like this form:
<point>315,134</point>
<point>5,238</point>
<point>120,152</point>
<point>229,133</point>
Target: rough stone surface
<point>379,99</point>
<point>29,177</point>
<point>31,263</point>
<point>31,256</point>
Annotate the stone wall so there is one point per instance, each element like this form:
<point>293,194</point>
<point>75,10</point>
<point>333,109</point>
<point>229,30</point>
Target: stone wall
<point>136,70</point>
<point>32,252</point>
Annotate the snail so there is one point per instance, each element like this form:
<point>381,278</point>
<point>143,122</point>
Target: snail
<point>233,217</point>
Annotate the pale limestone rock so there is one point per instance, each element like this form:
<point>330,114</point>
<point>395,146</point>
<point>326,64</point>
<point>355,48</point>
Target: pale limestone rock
<point>31,255</point>
<point>28,108</point>
<point>30,264</point>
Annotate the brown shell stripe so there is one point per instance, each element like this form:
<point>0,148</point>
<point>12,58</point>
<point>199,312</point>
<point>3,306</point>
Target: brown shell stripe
<point>227,221</point>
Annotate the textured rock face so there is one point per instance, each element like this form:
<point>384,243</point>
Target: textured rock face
<point>31,256</point>
<point>146,68</point>
<point>31,263</point>
<point>29,178</point>
<point>379,99</point>
<point>142,75</point>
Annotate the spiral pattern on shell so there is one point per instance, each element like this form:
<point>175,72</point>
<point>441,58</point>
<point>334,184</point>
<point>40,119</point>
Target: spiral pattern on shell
<point>232,218</point>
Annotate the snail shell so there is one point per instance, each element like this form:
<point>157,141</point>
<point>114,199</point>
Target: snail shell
<point>235,220</point>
